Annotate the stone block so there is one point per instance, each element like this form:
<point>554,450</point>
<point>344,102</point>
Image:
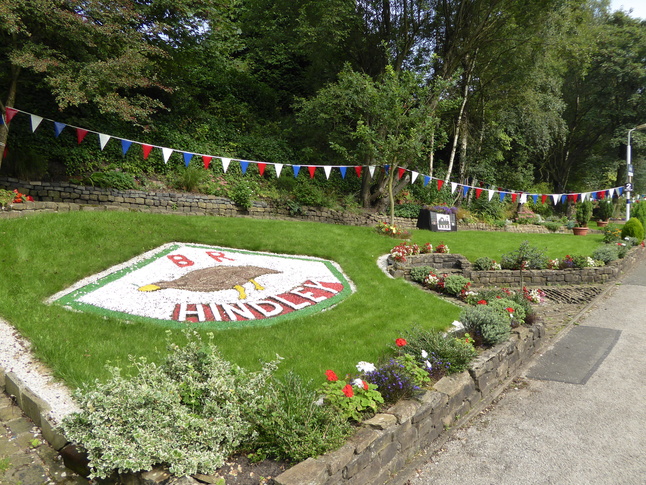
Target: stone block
<point>381,421</point>
<point>358,463</point>
<point>404,410</point>
<point>337,460</point>
<point>14,387</point>
<point>363,439</point>
<point>51,433</point>
<point>33,406</point>
<point>308,472</point>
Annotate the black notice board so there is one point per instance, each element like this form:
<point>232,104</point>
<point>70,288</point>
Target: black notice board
<point>435,221</point>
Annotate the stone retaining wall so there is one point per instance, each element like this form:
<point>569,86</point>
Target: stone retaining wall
<point>511,278</point>
<point>385,443</point>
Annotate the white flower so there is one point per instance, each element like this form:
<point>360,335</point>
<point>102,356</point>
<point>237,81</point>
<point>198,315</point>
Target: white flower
<point>319,401</point>
<point>357,383</point>
<point>366,367</point>
<point>424,354</point>
<point>428,365</point>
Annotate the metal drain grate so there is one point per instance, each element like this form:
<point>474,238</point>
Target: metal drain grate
<point>572,294</point>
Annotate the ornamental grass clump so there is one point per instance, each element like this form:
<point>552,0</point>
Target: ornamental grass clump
<point>486,323</point>
<point>418,274</point>
<point>606,253</point>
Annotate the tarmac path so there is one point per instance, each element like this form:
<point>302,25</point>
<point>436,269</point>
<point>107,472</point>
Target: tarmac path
<point>586,426</point>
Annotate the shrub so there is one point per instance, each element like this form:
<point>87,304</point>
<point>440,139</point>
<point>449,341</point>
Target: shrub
<point>526,256</point>
<point>633,228</point>
<point>189,413</point>
<point>611,234</point>
<point>188,178</point>
<point>111,180</point>
<point>552,226</point>
<point>485,264</point>
<point>583,213</point>
<point>419,274</point>
<point>639,212</point>
<point>242,193</point>
<point>407,210</point>
<point>292,426</point>
<point>606,209</point>
<point>455,284</point>
<point>350,399</point>
<point>487,323</point>
<point>503,305</point>
<point>446,354</point>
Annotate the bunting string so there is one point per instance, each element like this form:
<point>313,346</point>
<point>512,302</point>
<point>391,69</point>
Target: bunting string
<point>166,152</point>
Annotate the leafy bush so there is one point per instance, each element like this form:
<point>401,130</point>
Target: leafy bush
<point>455,284</point>
<point>350,399</point>
<point>418,274</point>
<point>446,354</point>
<point>188,178</point>
<point>292,426</point>
<point>529,257</point>
<point>633,228</point>
<point>611,234</point>
<point>552,226</point>
<point>407,210</point>
<point>639,212</point>
<point>189,413</point>
<point>398,378</point>
<point>111,180</point>
<point>583,213</point>
<point>242,193</point>
<point>485,264</point>
<point>487,323</point>
<point>503,305</point>
<point>605,209</point>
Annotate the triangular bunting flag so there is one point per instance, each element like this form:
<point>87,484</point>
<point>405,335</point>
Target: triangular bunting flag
<point>414,176</point>
<point>535,198</point>
<point>58,128</point>
<point>611,192</point>
<point>327,169</point>
<point>311,169</point>
<point>343,170</point>
<point>80,135</point>
<point>296,169</point>
<point>206,160</point>
<point>465,190</point>
<point>279,168</point>
<point>187,157</point>
<point>563,199</point>
<point>502,196</point>
<point>584,195</point>
<point>125,146</point>
<point>454,186</point>
<point>357,169</point>
<point>243,166</point>
<point>555,198</point>
<point>427,179</point>
<point>261,168</point>
<point>371,170</point>
<point>386,168</point>
<point>593,196</point>
<point>514,196</point>
<point>620,190</point>
<point>166,153</point>
<point>103,140</point>
<point>490,194</point>
<point>10,113</point>
<point>225,164</point>
<point>523,198</point>
<point>543,198</point>
<point>478,193</point>
<point>146,149</point>
<point>400,172</point>
<point>35,121</point>
<point>440,183</point>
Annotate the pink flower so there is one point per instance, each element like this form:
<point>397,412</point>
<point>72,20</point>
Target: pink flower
<point>347,390</point>
<point>331,376</point>
<point>400,342</point>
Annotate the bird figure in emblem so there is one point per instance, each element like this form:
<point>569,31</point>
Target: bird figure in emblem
<point>215,278</point>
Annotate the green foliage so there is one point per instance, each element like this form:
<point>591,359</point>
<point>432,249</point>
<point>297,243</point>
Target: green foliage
<point>583,213</point>
<point>409,210</point>
<point>447,352</point>
<point>553,226</point>
<point>242,192</point>
<point>526,256</point>
<point>188,178</point>
<point>633,228</point>
<point>503,305</point>
<point>398,378</point>
<point>310,194</point>
<point>290,425</point>
<point>638,210</point>
<point>419,273</point>
<point>488,210</point>
<point>605,253</point>
<point>454,284</point>
<point>606,209</point>
<point>483,264</point>
<point>351,399</point>
<point>111,180</point>
<point>6,197</point>
<point>486,322</point>
<point>189,413</point>
<point>611,234</point>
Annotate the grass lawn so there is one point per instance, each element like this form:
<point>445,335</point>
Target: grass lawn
<point>45,253</point>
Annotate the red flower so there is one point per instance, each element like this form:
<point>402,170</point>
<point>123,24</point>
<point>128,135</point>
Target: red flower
<point>365,385</point>
<point>347,390</point>
<point>331,376</point>
<point>482,302</point>
<point>400,342</point>
<point>510,309</point>
<point>30,198</point>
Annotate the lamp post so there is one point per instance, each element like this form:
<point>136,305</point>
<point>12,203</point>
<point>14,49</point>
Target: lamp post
<point>629,170</point>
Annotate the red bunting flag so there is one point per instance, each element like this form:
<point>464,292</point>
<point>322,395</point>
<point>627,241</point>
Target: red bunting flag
<point>80,135</point>
<point>401,172</point>
<point>261,168</point>
<point>543,198</point>
<point>514,196</point>
<point>601,194</point>
<point>10,113</point>
<point>439,184</point>
<point>206,159</point>
<point>478,193</point>
<point>311,169</point>
<point>147,149</point>
<point>358,170</point>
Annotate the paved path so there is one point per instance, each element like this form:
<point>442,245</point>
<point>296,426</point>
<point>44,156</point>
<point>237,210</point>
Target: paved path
<point>550,432</point>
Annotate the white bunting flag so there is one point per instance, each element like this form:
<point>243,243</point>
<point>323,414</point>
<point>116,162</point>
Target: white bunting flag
<point>555,198</point>
<point>454,186</point>
<point>413,176</point>
<point>490,194</point>
<point>35,121</point>
<point>523,198</point>
<point>611,193</point>
<point>584,195</point>
<point>166,153</point>
<point>225,164</point>
<point>103,140</point>
<point>279,168</point>
<point>327,169</point>
<point>371,169</point>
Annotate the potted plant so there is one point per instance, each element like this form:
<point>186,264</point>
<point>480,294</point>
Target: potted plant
<point>582,215</point>
<point>606,211</point>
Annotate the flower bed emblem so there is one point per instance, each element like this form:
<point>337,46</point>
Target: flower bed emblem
<point>212,287</point>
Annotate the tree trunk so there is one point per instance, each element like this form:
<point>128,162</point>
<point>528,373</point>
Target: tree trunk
<point>458,125</point>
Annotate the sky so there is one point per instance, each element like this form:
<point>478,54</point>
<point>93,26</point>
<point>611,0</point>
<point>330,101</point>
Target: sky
<point>638,7</point>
